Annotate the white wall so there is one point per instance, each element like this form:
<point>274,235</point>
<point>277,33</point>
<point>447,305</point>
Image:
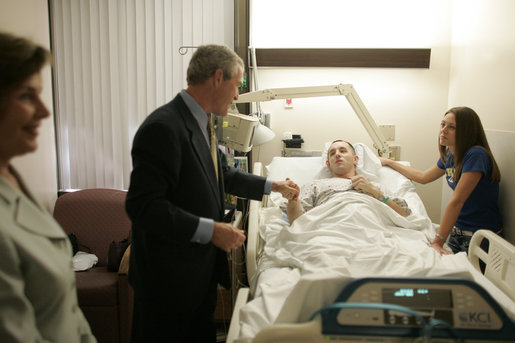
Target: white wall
<point>482,65</point>
<point>414,100</point>
<point>29,18</point>
<point>482,76</point>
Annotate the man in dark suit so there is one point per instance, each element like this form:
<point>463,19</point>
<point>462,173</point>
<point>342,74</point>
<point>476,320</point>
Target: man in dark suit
<point>176,204</point>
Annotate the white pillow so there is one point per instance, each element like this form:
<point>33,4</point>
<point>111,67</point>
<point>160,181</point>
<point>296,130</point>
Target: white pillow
<point>299,169</point>
<point>394,182</point>
<point>368,163</point>
<point>84,261</point>
<point>305,169</point>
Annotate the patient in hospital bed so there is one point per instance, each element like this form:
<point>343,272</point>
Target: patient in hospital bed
<point>341,161</point>
<point>349,225</point>
<point>336,236</point>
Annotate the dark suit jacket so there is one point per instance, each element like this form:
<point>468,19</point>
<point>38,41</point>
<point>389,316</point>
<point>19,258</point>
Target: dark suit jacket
<point>173,183</point>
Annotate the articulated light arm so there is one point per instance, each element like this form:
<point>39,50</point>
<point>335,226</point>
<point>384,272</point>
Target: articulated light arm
<point>308,92</point>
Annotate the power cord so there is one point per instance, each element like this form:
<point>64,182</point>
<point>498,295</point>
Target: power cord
<point>437,322</point>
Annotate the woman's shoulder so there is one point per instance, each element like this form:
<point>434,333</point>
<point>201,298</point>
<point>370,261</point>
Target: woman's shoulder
<point>477,158</point>
<point>476,149</point>
<point>476,152</point>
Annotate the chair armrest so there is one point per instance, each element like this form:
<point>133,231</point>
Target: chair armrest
<point>124,264</point>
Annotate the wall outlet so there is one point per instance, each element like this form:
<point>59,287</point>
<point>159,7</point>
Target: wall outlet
<point>388,132</point>
<point>395,152</point>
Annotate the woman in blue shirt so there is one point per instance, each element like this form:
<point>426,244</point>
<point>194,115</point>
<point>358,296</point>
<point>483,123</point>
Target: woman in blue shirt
<point>472,173</point>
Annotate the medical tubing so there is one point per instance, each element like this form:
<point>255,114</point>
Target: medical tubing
<point>426,330</point>
<point>438,322</point>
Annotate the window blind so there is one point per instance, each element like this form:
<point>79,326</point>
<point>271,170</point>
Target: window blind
<point>115,62</point>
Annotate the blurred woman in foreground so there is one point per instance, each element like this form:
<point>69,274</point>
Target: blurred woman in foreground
<point>37,280</point>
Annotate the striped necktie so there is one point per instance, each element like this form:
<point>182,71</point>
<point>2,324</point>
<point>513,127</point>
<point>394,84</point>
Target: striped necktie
<point>213,144</point>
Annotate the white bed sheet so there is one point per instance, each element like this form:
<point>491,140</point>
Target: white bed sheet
<point>305,266</point>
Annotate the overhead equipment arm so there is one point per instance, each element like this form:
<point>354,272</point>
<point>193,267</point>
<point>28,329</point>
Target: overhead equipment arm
<point>348,90</point>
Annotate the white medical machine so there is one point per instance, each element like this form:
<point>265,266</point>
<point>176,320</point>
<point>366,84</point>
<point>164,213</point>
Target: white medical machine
<point>444,308</point>
<point>238,131</point>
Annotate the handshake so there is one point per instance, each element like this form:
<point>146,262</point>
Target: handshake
<point>288,189</point>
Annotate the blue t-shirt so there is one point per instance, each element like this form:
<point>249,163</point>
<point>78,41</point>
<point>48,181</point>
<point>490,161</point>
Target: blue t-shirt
<point>481,209</point>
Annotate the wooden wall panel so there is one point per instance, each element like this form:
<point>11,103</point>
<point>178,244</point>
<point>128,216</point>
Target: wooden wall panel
<point>351,58</point>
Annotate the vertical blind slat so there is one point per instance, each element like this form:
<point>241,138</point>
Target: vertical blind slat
<point>115,62</point>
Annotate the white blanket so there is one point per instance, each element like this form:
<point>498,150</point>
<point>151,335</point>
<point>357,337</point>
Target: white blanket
<point>353,235</point>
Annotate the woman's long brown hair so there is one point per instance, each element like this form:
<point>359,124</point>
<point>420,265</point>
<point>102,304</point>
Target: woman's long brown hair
<point>469,133</point>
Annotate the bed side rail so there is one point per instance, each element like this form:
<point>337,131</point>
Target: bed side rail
<point>499,260</point>
<point>253,229</point>
<point>234,328</point>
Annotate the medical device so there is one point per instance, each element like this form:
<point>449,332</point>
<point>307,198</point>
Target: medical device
<point>389,308</point>
<point>347,90</point>
<point>238,131</point>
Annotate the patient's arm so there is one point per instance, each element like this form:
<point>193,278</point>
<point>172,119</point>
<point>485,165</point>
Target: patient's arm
<point>360,183</point>
<point>394,206</point>
<point>294,210</point>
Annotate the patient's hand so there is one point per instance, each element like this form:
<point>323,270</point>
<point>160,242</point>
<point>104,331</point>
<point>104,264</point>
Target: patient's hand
<point>294,210</point>
<point>227,237</point>
<point>288,189</point>
<point>361,183</point>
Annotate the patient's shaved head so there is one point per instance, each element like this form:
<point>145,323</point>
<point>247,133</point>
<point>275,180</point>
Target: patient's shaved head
<point>342,159</point>
<point>341,140</point>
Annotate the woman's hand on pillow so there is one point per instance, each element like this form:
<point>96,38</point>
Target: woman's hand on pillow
<point>385,161</point>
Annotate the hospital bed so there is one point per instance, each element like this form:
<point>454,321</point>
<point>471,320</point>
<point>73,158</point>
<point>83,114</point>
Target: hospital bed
<point>292,299</point>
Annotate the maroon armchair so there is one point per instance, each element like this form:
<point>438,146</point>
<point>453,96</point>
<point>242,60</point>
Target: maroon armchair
<point>97,217</point>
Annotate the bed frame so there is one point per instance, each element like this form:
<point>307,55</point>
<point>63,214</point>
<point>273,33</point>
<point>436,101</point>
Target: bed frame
<point>499,260</point>
<point>500,263</point>
<point>254,241</point>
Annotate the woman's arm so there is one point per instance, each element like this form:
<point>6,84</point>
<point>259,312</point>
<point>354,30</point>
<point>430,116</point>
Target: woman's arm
<point>468,181</point>
<point>414,174</point>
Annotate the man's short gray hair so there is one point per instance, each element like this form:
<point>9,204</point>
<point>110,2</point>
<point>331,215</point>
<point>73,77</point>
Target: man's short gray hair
<point>208,59</point>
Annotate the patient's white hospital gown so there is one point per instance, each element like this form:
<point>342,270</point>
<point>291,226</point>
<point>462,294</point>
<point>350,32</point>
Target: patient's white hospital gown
<point>318,192</point>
